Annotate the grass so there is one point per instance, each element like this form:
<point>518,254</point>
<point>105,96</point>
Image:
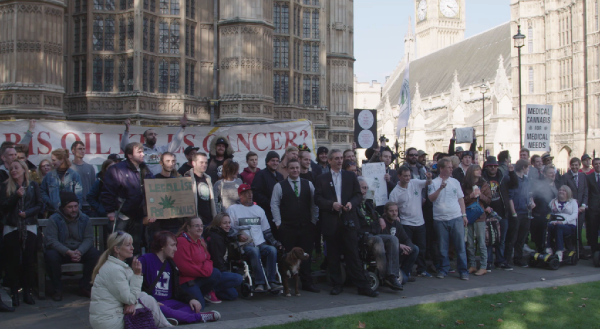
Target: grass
<point>572,306</point>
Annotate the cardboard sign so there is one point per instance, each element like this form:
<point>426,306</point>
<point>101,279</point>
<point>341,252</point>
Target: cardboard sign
<point>464,135</point>
<point>537,127</point>
<point>374,173</point>
<point>170,197</point>
<point>365,128</point>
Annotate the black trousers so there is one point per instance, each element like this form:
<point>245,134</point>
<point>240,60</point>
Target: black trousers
<point>19,262</point>
<point>318,239</point>
<point>433,250</point>
<point>592,225</point>
<point>299,236</point>
<point>345,241</point>
<point>538,232</point>
<point>135,228</point>
<point>518,230</point>
<point>418,235</point>
<point>580,221</point>
<point>54,260</point>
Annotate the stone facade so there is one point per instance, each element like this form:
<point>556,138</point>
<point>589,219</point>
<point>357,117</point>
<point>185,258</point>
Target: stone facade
<point>366,95</point>
<point>153,60</point>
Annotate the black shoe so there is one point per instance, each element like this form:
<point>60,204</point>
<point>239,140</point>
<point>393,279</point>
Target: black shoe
<point>15,296</point>
<point>310,287</point>
<point>393,283</point>
<point>57,296</point>
<point>27,297</point>
<point>5,308</point>
<point>584,256</point>
<point>336,290</point>
<point>368,292</point>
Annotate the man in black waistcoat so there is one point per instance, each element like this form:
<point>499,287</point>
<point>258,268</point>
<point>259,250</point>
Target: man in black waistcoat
<point>337,194</point>
<point>295,214</point>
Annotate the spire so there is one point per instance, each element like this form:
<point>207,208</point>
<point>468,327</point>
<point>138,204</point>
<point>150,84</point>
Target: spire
<point>409,31</point>
<point>409,42</point>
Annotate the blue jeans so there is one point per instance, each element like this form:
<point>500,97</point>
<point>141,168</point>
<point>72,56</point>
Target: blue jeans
<point>557,233</point>
<point>451,231</point>
<point>225,289</point>
<point>202,286</point>
<point>407,262</point>
<point>500,247</point>
<point>476,241</point>
<point>254,255</point>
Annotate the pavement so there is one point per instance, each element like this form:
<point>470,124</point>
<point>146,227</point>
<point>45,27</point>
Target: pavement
<point>267,309</point>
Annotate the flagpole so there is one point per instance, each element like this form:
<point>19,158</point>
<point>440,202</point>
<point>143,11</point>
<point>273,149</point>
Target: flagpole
<point>405,142</point>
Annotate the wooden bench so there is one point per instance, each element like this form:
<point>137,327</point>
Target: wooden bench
<point>98,224</point>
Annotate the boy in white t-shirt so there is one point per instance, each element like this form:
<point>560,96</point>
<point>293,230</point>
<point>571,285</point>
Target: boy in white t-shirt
<point>408,195</point>
<point>449,219</point>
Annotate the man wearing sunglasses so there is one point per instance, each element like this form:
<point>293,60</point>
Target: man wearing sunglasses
<point>417,170</point>
<point>500,184</point>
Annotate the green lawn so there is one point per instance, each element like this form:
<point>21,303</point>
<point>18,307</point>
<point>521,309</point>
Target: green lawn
<point>570,307</point>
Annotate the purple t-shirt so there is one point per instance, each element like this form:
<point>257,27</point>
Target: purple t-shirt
<point>151,265</point>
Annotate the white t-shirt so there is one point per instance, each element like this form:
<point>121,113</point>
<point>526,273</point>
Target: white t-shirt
<point>446,206</point>
<point>254,217</point>
<point>409,202</point>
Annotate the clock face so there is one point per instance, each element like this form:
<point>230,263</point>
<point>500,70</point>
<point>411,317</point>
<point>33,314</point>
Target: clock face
<point>449,8</point>
<point>422,10</point>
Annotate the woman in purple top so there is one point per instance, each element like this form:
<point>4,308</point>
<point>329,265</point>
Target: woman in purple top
<point>175,302</point>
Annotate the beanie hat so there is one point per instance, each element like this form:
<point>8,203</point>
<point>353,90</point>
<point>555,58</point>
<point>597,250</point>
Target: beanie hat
<point>67,197</point>
<point>271,155</point>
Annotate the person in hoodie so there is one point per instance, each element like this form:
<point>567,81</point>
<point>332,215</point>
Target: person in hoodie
<point>217,239</point>
<point>500,203</point>
<point>250,171</point>
<point>220,150</point>
<point>175,303</point>
<point>199,277</point>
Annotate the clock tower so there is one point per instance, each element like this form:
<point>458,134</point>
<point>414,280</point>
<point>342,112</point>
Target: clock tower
<point>439,24</point>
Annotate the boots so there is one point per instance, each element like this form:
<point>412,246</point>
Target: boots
<point>28,297</point>
<point>15,296</point>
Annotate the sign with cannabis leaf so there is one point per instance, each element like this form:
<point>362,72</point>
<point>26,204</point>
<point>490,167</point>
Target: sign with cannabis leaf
<point>170,197</point>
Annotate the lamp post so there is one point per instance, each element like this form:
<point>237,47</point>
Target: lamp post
<point>483,89</point>
<point>519,42</point>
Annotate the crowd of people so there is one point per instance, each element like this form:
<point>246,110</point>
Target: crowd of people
<point>449,208</point>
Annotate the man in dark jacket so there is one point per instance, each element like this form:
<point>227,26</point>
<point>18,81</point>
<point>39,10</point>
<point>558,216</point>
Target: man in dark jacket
<point>459,150</point>
<point>592,219</point>
<point>520,211</point>
<point>69,238</point>
<point>466,160</point>
<point>408,251</point>
<point>124,198</point>
<point>576,181</point>
<point>500,184</point>
<point>263,183</point>
<point>220,150</point>
<point>189,155</point>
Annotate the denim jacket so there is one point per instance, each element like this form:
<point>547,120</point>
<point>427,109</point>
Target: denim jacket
<point>51,188</point>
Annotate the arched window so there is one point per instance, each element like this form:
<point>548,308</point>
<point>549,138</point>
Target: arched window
<point>530,39</point>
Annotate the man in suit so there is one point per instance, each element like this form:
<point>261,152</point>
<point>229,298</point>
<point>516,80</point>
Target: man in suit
<point>592,218</point>
<point>337,194</point>
<point>579,185</point>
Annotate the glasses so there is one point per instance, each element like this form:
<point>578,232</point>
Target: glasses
<point>413,155</point>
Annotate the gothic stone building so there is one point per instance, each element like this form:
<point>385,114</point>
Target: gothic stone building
<point>153,60</point>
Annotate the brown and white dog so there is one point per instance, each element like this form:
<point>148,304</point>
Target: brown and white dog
<point>289,266</point>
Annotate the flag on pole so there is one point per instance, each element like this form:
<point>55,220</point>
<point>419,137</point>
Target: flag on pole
<point>404,103</point>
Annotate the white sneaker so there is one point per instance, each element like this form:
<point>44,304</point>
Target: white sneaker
<point>559,254</point>
<point>527,249</point>
<point>549,251</point>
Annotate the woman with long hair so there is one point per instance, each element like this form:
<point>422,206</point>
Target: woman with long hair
<point>21,203</point>
<point>62,178</point>
<point>44,168</point>
<point>93,198</point>
<point>476,189</point>
<point>226,189</point>
<point>217,239</point>
<point>117,287</point>
<point>563,205</point>
<point>198,275</point>
<point>175,302</point>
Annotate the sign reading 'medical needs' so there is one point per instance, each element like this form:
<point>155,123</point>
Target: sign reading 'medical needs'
<point>538,125</point>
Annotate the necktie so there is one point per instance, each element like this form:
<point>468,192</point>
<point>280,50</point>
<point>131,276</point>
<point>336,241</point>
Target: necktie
<point>296,188</point>
<point>576,181</point>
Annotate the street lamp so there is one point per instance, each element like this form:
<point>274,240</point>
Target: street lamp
<point>519,42</point>
<point>483,89</point>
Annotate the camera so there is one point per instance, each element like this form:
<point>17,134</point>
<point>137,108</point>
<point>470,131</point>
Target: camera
<point>383,139</point>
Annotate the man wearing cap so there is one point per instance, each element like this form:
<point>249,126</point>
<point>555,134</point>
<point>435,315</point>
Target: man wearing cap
<point>250,226</point>
<point>576,181</point>
<point>115,158</point>
<point>459,149</point>
<point>295,215</point>
<point>69,238</point>
<point>592,218</point>
<point>263,184</point>
<point>220,150</point>
<point>547,161</point>
<point>465,162</point>
<point>422,158</point>
<point>500,185</point>
<point>321,166</point>
<point>586,164</point>
<point>151,151</point>
<point>189,154</point>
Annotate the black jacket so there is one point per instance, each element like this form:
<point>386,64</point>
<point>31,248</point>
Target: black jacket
<point>506,183</point>
<point>216,243</point>
<point>325,197</point>
<point>368,218</point>
<point>593,193</point>
<point>400,232</point>
<point>10,206</point>
<point>451,150</point>
<point>121,181</point>
<point>176,292</point>
<point>262,189</point>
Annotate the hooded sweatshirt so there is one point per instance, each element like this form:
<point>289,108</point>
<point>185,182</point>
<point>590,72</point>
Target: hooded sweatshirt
<point>248,175</point>
<point>192,259</point>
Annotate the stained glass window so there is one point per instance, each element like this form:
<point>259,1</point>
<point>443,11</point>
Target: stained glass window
<point>76,40</point>
<point>122,34</point>
<point>306,56</point>
<point>145,37</point>
<point>315,57</point>
<point>110,5</point>
<point>83,34</point>
<point>315,24</point>
<point>276,53</point>
<point>276,89</point>
<point>83,75</point>
<point>285,19</point>
<point>285,88</point>
<point>192,70</point>
<point>130,33</point>
<point>174,7</point>
<point>277,17</point>
<point>164,6</point>
<point>98,34</point>
<point>306,24</point>
<point>192,40</point>
<point>306,90</point>
<point>153,6</point>
<point>285,53</point>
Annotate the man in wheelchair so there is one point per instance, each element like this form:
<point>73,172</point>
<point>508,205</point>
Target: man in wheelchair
<point>384,247</point>
<point>564,206</point>
<point>256,241</point>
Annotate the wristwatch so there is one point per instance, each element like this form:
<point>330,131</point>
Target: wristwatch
<point>464,215</point>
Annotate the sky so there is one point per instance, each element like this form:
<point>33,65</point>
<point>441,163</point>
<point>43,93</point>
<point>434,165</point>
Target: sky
<point>380,26</point>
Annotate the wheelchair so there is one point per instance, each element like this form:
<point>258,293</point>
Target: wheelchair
<point>570,254</point>
<point>238,264</point>
<point>368,262</point>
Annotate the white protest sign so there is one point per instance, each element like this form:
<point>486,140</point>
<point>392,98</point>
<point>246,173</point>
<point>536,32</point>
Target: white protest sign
<point>374,173</point>
<point>537,127</point>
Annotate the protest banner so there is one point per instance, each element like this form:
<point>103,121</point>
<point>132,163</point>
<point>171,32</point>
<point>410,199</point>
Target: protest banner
<point>374,173</point>
<point>170,197</point>
<point>103,139</point>
<point>537,127</point>
<point>365,128</point>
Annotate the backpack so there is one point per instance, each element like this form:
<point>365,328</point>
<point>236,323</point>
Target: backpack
<point>492,230</point>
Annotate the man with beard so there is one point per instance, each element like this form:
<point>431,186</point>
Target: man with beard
<point>322,166</point>
<point>417,170</point>
<point>422,158</point>
<point>189,154</point>
<point>263,184</point>
<point>220,150</point>
<point>151,151</point>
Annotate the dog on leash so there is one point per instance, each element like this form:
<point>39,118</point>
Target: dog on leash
<point>289,266</point>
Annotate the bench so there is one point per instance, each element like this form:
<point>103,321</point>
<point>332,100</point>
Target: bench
<point>98,224</point>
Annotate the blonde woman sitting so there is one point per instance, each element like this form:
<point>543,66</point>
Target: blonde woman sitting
<point>117,287</point>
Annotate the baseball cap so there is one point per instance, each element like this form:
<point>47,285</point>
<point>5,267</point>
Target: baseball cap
<point>547,155</point>
<point>421,152</point>
<point>190,149</point>
<point>222,140</point>
<point>459,149</point>
<point>243,188</point>
<point>585,157</point>
<point>115,157</point>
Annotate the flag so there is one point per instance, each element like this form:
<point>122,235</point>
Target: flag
<point>404,103</point>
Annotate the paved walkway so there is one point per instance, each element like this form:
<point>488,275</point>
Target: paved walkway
<point>266,309</point>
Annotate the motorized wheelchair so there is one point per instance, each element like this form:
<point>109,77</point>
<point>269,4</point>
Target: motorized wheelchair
<point>240,265</point>
<point>368,262</point>
<point>570,254</point>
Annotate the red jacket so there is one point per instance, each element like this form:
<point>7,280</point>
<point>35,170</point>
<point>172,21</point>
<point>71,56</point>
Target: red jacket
<point>248,175</point>
<point>192,259</point>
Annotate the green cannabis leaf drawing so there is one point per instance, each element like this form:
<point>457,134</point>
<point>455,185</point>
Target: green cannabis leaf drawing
<point>166,202</point>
